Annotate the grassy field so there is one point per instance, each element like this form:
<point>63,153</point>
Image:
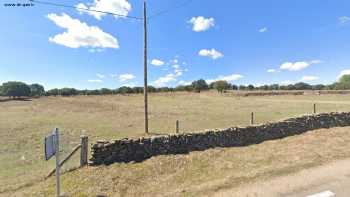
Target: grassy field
<point>23,125</point>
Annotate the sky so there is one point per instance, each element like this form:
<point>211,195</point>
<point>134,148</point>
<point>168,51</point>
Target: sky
<point>243,41</point>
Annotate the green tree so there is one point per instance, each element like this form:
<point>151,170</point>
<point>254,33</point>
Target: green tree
<point>68,92</point>
<point>200,85</point>
<point>125,90</point>
<point>15,89</point>
<point>137,90</point>
<point>52,92</point>
<point>37,90</point>
<point>221,85</point>
<point>105,91</point>
<point>250,87</point>
<point>1,91</point>
<point>343,83</point>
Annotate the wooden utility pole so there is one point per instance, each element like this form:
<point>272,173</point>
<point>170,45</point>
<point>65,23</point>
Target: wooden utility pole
<point>145,89</point>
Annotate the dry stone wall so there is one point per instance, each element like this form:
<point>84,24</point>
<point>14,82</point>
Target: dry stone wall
<point>127,150</point>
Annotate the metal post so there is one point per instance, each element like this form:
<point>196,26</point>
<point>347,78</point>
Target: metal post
<point>252,118</point>
<point>145,89</point>
<point>177,126</point>
<point>57,147</point>
<point>84,150</point>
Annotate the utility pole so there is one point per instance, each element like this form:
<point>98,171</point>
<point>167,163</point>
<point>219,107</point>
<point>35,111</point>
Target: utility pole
<point>145,89</point>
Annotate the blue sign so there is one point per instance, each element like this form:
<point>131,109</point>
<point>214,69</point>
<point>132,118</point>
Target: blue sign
<point>50,148</point>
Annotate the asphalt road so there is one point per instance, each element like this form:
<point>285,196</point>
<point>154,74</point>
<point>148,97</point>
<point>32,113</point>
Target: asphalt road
<point>325,181</point>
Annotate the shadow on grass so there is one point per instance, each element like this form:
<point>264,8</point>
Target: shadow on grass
<point>15,99</point>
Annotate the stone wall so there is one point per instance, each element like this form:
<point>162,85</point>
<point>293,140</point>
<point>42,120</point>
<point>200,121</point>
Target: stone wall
<point>127,150</point>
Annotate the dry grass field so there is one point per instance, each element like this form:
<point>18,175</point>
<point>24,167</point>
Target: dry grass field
<point>23,125</point>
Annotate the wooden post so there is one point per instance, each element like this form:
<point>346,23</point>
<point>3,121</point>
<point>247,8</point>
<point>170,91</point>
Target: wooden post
<point>84,150</point>
<point>314,108</point>
<point>145,88</point>
<point>252,118</point>
<point>177,126</point>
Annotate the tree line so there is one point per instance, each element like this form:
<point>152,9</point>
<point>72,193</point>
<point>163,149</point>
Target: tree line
<point>15,89</point>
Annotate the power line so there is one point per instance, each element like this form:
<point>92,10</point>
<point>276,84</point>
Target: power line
<point>85,9</point>
<point>183,4</point>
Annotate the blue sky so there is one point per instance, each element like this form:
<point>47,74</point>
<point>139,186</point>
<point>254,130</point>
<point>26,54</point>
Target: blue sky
<point>242,41</point>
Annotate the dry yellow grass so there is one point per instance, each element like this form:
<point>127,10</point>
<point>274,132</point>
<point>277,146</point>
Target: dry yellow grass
<point>23,124</point>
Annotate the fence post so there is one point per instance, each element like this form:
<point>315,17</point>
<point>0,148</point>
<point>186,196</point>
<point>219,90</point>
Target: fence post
<point>177,126</point>
<point>84,150</point>
<point>252,118</point>
<point>314,108</point>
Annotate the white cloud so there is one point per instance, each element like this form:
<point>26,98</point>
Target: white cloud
<point>185,83</point>
<point>163,81</point>
<point>129,84</point>
<point>126,77</point>
<point>100,75</point>
<point>344,72</point>
<point>271,70</point>
<point>176,66</point>
<point>296,66</point>
<point>308,78</point>
<point>201,24</point>
<point>262,30</point>
<point>287,82</point>
<point>95,81</point>
<point>228,78</point>
<point>79,34</point>
<point>157,62</point>
<point>178,72</point>
<point>344,20</point>
<point>120,7</point>
<point>214,54</point>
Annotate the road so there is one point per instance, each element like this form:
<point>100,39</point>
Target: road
<point>325,181</point>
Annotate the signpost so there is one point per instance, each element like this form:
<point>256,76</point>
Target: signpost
<point>52,147</point>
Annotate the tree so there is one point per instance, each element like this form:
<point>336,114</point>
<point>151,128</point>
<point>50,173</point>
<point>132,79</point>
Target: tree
<point>343,83</point>
<point>151,89</point>
<point>250,87</point>
<point>137,90</point>
<point>68,92</point>
<point>211,85</point>
<point>125,90</point>
<point>105,91</point>
<point>274,87</point>
<point>221,85</point>
<point>242,87</point>
<point>200,85</point>
<point>52,92</point>
<point>37,90</point>
<point>93,92</point>
<point>234,87</point>
<point>15,89</point>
